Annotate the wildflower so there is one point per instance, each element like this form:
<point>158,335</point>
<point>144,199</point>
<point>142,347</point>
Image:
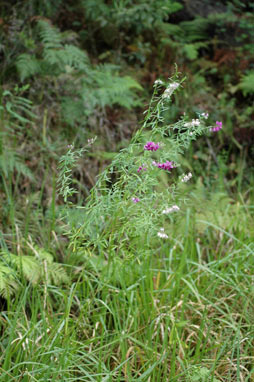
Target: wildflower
<point>142,168</point>
<point>217,127</point>
<point>151,146</point>
<point>135,200</point>
<point>162,234</point>
<point>193,123</point>
<point>205,115</point>
<point>164,166</point>
<point>91,141</point>
<point>168,210</point>
<point>186,177</point>
<point>158,82</point>
<point>170,89</point>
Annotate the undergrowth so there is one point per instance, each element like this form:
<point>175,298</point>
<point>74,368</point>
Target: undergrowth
<point>156,284</point>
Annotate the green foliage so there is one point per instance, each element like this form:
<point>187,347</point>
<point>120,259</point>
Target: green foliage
<point>95,86</point>
<point>66,165</point>
<point>110,216</point>
<point>201,374</point>
<point>134,16</point>
<point>8,284</point>
<point>16,114</point>
<point>141,307</point>
<point>247,84</point>
<point>35,268</point>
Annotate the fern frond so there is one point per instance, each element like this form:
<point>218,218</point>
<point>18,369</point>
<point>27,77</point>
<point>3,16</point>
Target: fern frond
<point>75,57</point>
<point>8,284</point>
<point>27,66</point>
<point>27,265</point>
<point>110,89</point>
<point>49,35</point>
<point>57,274</point>
<point>36,268</point>
<point>195,30</point>
<point>10,162</point>
<point>247,83</point>
<point>68,56</point>
<point>40,253</point>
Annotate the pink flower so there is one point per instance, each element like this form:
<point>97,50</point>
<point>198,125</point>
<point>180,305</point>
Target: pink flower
<point>165,166</point>
<point>151,146</point>
<point>142,168</point>
<point>135,200</point>
<point>217,127</point>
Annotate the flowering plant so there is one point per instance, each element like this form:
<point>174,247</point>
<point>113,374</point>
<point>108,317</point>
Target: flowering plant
<point>140,190</point>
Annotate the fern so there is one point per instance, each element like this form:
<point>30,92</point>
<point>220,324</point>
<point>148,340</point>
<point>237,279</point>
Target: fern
<point>8,284</point>
<point>49,35</point>
<point>195,30</point>
<point>27,66</point>
<point>17,113</point>
<point>17,108</point>
<point>247,84</point>
<point>113,89</point>
<point>35,268</point>
<point>10,161</point>
<point>27,265</point>
<point>86,87</point>
<point>68,56</point>
<point>75,57</point>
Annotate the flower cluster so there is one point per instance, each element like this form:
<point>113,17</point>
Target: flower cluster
<point>168,210</point>
<point>186,177</point>
<point>151,146</point>
<point>193,123</point>
<point>165,166</point>
<point>162,234</point>
<point>135,200</point>
<point>142,168</point>
<point>170,89</point>
<point>217,127</point>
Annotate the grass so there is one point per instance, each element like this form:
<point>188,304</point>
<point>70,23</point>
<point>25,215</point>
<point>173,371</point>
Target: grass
<point>181,313</point>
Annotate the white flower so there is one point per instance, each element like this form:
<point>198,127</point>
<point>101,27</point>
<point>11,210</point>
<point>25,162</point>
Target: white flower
<point>170,89</point>
<point>162,234</point>
<point>91,141</point>
<point>168,210</point>
<point>187,177</point>
<point>205,115</point>
<point>158,82</point>
<point>193,123</point>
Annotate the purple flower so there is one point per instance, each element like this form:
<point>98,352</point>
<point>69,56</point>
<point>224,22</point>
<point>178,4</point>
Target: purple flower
<point>151,146</point>
<point>164,166</point>
<point>142,168</point>
<point>217,127</point>
<point>135,200</point>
